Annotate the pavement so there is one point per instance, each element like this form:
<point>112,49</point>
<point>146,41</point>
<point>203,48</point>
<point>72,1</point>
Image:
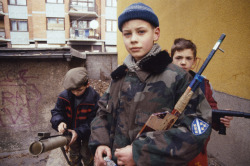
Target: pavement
<point>23,158</point>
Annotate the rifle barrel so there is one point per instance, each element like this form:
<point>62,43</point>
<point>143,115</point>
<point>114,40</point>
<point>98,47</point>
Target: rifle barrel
<point>215,48</point>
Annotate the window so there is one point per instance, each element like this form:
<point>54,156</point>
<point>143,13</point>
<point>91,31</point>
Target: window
<point>19,25</point>
<point>111,25</point>
<point>111,3</point>
<point>55,24</point>
<point>84,3</point>
<point>54,1</point>
<point>18,2</point>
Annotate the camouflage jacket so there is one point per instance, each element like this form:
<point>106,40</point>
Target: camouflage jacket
<point>133,96</point>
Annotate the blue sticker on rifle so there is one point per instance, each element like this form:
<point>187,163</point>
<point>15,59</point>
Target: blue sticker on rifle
<point>199,126</point>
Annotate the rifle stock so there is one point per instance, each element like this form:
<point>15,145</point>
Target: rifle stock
<point>165,120</point>
<point>221,113</point>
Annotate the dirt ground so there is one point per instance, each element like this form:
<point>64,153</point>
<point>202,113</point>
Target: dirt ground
<point>55,157</point>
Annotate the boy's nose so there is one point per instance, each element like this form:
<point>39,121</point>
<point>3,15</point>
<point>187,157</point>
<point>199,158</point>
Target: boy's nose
<point>183,61</point>
<point>133,38</point>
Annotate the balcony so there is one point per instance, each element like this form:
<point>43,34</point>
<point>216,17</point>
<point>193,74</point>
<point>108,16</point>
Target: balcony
<point>3,40</point>
<point>84,30</point>
<point>83,8</point>
<point>83,34</point>
<point>87,39</point>
<point>2,34</point>
<point>1,9</point>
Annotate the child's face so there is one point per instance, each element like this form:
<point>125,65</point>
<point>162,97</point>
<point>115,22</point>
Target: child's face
<point>139,37</point>
<point>79,91</point>
<point>184,59</point>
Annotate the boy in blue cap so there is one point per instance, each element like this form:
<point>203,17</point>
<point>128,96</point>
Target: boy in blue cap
<point>147,83</point>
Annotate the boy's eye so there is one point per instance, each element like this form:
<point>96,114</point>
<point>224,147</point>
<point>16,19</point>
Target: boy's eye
<point>178,58</point>
<point>126,34</point>
<point>141,32</point>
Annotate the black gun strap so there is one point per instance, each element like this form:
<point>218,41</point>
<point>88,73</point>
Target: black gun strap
<point>65,155</point>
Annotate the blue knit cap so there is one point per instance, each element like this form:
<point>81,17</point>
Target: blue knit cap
<point>138,11</point>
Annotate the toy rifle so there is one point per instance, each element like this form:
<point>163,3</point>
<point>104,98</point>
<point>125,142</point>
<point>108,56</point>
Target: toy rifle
<point>165,120</point>
<point>46,143</point>
<point>221,113</point>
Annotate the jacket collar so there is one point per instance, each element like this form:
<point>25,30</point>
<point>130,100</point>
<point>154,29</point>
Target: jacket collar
<point>148,65</point>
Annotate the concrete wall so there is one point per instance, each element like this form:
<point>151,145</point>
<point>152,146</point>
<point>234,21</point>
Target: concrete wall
<point>29,90</point>
<point>99,66</point>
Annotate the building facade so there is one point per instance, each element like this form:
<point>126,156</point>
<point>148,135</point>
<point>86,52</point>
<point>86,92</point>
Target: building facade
<point>84,25</point>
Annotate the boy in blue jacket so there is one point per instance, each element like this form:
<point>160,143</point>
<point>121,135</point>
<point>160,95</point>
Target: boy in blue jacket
<point>75,109</point>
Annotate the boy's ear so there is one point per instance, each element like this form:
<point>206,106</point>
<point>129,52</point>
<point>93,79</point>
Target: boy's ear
<point>156,33</point>
<point>194,63</point>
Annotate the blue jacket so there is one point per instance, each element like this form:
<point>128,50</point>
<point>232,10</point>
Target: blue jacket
<point>80,119</point>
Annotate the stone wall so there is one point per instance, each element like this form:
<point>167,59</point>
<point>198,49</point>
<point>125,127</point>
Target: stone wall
<point>29,90</point>
<point>100,65</point>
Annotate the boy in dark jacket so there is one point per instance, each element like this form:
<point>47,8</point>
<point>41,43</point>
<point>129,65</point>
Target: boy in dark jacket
<point>75,109</point>
<point>183,53</point>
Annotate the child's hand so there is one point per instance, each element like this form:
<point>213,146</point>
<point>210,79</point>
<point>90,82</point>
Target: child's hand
<point>74,136</point>
<point>125,156</point>
<point>226,120</point>
<point>100,152</point>
<point>61,127</point>
<point>73,139</point>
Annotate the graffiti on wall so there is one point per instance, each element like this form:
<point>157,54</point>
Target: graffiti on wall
<point>19,98</point>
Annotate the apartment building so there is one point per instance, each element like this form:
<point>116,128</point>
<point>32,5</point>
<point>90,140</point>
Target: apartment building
<point>84,25</point>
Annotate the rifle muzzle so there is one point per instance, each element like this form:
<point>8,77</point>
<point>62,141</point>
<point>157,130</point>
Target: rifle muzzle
<point>44,145</point>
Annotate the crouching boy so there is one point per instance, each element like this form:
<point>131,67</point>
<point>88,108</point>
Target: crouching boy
<point>75,109</point>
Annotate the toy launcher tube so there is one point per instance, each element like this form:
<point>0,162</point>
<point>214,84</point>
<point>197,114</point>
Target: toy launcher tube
<point>39,147</point>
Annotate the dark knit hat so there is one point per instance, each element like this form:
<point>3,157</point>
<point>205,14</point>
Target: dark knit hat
<point>138,11</point>
<point>75,78</point>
